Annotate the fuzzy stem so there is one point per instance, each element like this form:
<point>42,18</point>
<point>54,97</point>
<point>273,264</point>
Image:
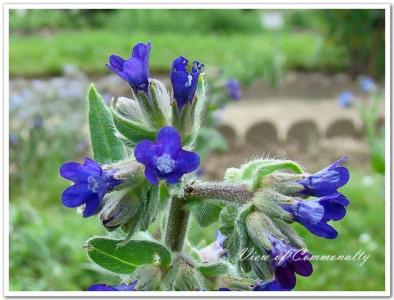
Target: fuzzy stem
<point>229,192</point>
<point>178,220</point>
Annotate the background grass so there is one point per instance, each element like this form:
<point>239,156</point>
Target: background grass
<point>244,56</point>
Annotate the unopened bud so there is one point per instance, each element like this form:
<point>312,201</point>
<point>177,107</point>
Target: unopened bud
<point>284,183</point>
<point>117,210</point>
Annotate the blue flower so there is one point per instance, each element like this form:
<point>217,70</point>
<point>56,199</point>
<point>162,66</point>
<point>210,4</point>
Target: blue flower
<point>315,214</point>
<point>234,89</point>
<point>91,183</point>
<point>119,287</point>
<point>215,250</point>
<point>273,285</point>
<point>166,159</point>
<point>135,69</point>
<point>326,181</point>
<point>223,289</point>
<point>286,261</point>
<point>367,84</point>
<point>184,84</point>
<point>345,98</point>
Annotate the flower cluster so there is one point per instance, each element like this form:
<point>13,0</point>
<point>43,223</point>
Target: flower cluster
<point>145,170</point>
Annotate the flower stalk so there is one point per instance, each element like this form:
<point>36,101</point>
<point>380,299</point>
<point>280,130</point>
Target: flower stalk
<point>178,220</point>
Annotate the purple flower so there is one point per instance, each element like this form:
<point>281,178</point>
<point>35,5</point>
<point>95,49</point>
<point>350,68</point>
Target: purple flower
<point>91,183</point>
<point>135,69</point>
<point>234,89</point>
<point>119,287</point>
<point>345,99</point>
<point>315,214</point>
<point>286,261</point>
<point>326,181</point>
<point>273,285</point>
<point>367,84</point>
<point>215,250</point>
<point>184,84</point>
<point>166,159</point>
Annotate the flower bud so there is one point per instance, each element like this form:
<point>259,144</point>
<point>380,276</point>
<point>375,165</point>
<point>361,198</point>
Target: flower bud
<point>117,210</point>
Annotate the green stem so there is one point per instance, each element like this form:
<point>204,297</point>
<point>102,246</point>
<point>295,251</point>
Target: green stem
<point>178,220</point>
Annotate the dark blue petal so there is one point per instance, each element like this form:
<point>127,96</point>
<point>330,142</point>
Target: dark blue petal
<point>90,163</point>
<point>116,62</point>
<point>145,152</point>
<point>326,181</point>
<point>173,178</point>
<point>322,229</point>
<point>101,287</point>
<point>152,175</point>
<point>285,277</point>
<point>141,51</point>
<point>179,64</point>
<point>301,266</point>
<point>170,140</point>
<point>76,195</point>
<point>186,161</point>
<point>91,206</point>
<point>333,211</point>
<point>224,289</point>
<point>76,172</point>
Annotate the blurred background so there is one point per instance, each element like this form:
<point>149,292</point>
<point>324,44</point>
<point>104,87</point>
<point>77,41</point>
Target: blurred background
<point>292,65</point>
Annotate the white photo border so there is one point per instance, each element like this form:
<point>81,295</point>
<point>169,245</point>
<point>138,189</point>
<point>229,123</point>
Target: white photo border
<point>148,4</point>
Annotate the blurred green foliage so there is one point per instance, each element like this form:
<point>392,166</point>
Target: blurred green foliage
<point>333,40</point>
<point>361,32</point>
<point>245,57</point>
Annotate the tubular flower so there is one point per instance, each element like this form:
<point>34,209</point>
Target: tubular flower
<point>326,181</point>
<point>165,158</point>
<point>91,183</point>
<point>135,69</point>
<point>287,261</point>
<point>315,214</point>
<point>184,84</point>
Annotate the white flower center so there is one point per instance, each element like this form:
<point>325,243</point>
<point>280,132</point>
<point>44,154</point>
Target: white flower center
<point>165,164</point>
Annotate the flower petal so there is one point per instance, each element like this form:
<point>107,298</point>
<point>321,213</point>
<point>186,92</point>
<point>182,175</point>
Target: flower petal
<point>186,161</point>
<point>76,195</point>
<point>322,229</point>
<point>285,276</point>
<point>145,151</point>
<point>169,138</point>
<point>91,206</point>
<point>141,51</point>
<point>152,175</point>
<point>101,287</point>
<point>116,61</point>
<point>301,266</point>
<point>93,165</point>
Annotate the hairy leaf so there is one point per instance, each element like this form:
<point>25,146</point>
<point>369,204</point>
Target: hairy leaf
<point>107,147</point>
<point>126,258</point>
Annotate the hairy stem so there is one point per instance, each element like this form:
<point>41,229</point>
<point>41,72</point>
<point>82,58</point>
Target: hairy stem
<point>230,192</point>
<point>178,219</point>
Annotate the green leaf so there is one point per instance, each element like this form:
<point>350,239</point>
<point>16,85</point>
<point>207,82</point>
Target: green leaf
<point>107,147</point>
<point>125,259</point>
<point>133,131</point>
<point>214,269</point>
